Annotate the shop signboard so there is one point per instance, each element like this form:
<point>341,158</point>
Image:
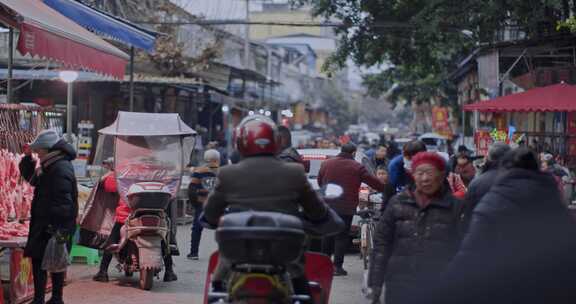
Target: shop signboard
<point>483,139</point>
<point>440,121</point>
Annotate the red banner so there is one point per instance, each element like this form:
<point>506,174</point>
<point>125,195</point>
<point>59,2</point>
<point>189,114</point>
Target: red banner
<point>571,123</point>
<point>572,147</point>
<point>22,283</point>
<point>482,139</point>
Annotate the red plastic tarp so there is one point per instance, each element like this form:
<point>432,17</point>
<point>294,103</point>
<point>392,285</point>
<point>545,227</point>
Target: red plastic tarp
<point>554,98</point>
<point>47,34</point>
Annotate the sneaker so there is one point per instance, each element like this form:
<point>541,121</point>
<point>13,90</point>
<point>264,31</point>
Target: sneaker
<point>170,276</point>
<point>193,257</point>
<point>339,272</point>
<point>101,277</point>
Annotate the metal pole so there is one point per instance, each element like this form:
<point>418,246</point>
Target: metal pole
<point>69,113</point>
<point>131,79</point>
<point>247,36</point>
<point>246,48</point>
<point>10,63</point>
<point>463,125</point>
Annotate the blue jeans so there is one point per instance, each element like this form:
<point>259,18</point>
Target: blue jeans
<point>196,230</point>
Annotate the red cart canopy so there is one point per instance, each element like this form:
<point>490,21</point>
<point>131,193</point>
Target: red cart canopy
<point>47,34</point>
<point>554,98</point>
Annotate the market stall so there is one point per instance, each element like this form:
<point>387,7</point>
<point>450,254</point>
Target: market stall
<point>15,201</point>
<point>19,124</point>
<point>543,118</point>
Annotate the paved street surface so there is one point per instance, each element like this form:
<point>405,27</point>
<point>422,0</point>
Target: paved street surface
<point>189,288</point>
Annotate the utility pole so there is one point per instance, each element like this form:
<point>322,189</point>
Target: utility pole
<point>247,36</point>
<point>9,89</point>
<point>246,48</point>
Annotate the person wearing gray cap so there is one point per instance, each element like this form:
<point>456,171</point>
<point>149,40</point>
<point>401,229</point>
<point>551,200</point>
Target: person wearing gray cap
<point>202,183</point>
<point>482,184</point>
<point>54,206</point>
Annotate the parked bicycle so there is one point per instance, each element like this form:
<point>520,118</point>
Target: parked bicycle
<point>369,213</point>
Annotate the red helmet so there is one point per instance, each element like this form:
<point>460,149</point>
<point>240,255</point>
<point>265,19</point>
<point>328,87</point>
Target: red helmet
<point>256,135</point>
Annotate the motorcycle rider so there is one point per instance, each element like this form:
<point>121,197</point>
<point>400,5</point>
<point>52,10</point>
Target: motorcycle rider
<point>262,182</point>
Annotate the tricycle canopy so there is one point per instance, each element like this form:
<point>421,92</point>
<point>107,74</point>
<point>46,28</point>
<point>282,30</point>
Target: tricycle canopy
<point>148,124</point>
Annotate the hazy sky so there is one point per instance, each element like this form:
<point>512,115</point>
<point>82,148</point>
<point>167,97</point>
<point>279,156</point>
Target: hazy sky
<point>220,9</point>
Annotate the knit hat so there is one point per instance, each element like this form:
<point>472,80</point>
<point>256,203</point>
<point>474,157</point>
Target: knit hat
<point>430,158</point>
<point>45,140</point>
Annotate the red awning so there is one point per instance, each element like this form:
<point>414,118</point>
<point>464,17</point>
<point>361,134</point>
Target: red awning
<point>47,34</point>
<point>555,98</point>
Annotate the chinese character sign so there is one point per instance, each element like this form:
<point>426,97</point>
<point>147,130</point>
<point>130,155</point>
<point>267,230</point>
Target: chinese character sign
<point>440,121</point>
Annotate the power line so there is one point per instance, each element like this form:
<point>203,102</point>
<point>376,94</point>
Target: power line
<point>295,24</point>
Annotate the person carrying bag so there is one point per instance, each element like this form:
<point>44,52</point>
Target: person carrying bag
<point>54,209</point>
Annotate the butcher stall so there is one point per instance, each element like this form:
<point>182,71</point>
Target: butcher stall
<point>19,124</point>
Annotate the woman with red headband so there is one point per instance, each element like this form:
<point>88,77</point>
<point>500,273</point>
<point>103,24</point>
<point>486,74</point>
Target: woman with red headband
<point>418,233</point>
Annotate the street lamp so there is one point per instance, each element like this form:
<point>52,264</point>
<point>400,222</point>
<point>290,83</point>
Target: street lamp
<point>69,77</point>
<point>268,113</point>
<point>227,120</point>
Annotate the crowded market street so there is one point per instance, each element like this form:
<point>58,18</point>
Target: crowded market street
<point>190,285</point>
<point>287,152</point>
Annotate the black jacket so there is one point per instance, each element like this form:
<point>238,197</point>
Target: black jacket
<point>263,183</point>
<point>478,188</point>
<point>413,244</point>
<point>520,247</point>
<point>55,201</point>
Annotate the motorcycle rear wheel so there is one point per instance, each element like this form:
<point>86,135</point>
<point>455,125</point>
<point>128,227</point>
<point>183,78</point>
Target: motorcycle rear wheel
<point>146,279</point>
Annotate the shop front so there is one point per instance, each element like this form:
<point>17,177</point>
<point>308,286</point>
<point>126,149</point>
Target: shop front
<point>543,119</point>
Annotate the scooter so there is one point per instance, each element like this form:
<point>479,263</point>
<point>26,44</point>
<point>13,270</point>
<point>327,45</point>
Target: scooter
<point>260,246</point>
<point>149,153</point>
<point>144,236</point>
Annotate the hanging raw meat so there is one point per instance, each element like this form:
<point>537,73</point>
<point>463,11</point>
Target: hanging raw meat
<point>15,197</point>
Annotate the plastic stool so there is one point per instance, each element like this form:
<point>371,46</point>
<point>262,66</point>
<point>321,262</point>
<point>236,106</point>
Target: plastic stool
<point>90,255</point>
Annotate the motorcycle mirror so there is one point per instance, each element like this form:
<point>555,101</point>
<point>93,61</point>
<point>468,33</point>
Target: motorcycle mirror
<point>333,191</point>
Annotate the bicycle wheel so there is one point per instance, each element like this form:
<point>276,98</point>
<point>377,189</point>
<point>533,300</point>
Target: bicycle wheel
<point>365,244</point>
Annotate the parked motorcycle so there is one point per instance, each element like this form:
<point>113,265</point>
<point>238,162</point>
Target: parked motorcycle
<point>149,162</point>
<point>261,247</point>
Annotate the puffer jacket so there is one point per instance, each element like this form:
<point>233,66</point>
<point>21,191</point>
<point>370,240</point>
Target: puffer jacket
<point>412,244</point>
<point>478,188</point>
<point>519,248</point>
<point>55,202</point>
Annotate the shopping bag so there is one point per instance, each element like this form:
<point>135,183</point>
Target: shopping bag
<point>56,258</point>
